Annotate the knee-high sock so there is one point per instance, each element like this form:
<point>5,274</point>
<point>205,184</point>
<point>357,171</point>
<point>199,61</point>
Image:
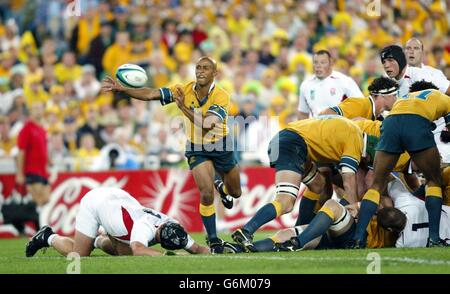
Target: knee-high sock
<point>264,215</point>
<point>208,213</point>
<point>307,205</point>
<point>368,208</point>
<point>433,203</point>
<point>317,227</point>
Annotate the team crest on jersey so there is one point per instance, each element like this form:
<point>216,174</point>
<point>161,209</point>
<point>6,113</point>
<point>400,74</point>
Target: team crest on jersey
<point>333,91</point>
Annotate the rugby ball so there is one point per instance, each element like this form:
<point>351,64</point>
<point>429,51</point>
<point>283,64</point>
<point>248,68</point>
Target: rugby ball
<point>131,75</point>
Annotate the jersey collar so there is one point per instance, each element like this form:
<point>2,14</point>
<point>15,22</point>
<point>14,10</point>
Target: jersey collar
<point>203,100</point>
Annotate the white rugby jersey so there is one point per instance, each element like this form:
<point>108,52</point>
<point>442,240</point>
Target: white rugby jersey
<point>434,72</point>
<point>415,233</point>
<point>416,74</point>
<point>121,216</point>
<point>317,95</point>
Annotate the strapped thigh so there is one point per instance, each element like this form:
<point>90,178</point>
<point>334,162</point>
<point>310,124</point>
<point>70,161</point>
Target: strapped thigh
<point>310,173</point>
<point>287,188</point>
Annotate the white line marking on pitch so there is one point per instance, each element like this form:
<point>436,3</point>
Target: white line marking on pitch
<point>307,258</point>
<point>258,257</point>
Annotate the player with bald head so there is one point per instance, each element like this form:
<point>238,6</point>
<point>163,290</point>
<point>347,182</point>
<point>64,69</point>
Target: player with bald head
<point>209,149</point>
<point>414,51</point>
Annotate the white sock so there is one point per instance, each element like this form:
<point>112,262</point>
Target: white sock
<point>50,239</point>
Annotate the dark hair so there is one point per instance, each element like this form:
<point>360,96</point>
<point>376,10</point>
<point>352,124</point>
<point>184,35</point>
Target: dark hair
<point>422,85</point>
<point>323,52</point>
<point>391,219</point>
<point>173,236</point>
<point>383,85</point>
<point>395,52</point>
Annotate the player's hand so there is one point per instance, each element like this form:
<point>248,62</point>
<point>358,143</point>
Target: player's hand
<point>179,97</point>
<point>353,209</point>
<point>109,84</point>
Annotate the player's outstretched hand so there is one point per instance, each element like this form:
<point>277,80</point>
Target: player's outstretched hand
<point>179,97</point>
<point>109,84</point>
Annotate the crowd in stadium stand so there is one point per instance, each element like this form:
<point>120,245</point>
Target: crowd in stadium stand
<point>58,56</point>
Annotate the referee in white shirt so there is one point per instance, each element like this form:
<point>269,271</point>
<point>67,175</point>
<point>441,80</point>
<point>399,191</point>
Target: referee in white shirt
<point>327,88</point>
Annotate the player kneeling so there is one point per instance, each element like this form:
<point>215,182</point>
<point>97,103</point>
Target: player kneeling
<point>130,228</point>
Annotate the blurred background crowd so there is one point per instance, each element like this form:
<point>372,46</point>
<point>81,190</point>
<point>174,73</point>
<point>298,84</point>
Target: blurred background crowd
<point>55,53</point>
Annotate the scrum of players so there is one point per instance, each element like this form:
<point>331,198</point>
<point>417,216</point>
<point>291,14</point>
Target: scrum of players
<point>372,163</point>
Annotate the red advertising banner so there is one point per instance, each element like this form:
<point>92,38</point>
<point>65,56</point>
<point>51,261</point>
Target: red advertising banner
<point>171,191</point>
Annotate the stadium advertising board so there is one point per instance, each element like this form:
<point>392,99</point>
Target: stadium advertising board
<point>172,191</point>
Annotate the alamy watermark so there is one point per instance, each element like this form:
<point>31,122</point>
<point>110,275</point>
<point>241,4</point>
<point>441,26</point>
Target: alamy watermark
<point>245,134</point>
<point>74,266</point>
<point>374,266</point>
<point>73,9</point>
<point>373,8</point>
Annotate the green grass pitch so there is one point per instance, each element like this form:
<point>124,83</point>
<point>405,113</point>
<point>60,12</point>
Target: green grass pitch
<point>422,260</point>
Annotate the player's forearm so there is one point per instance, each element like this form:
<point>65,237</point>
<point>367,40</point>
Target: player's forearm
<point>197,119</point>
<point>141,250</point>
<point>198,249</point>
<point>145,94</point>
<point>349,181</point>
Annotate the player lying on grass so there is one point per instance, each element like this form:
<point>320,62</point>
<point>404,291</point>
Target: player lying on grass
<point>131,228</point>
<point>327,139</point>
<point>413,231</point>
<point>332,228</point>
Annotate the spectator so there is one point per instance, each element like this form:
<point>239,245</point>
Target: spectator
<point>70,134</point>
<point>86,154</point>
<point>117,54</point>
<point>87,85</point>
<point>99,45</point>
<point>91,126</point>
<point>67,69</point>
<point>60,156</point>
<point>7,142</point>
